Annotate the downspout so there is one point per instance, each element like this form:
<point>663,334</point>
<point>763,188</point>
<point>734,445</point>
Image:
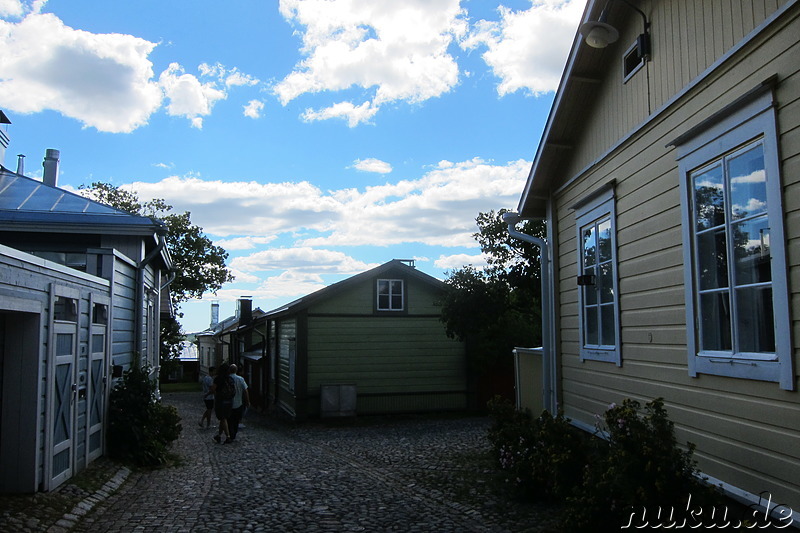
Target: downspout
<point>549,370</point>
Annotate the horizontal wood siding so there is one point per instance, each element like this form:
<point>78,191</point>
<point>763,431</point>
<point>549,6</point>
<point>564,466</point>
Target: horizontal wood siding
<point>747,432</point>
<point>685,42</point>
<point>408,359</point>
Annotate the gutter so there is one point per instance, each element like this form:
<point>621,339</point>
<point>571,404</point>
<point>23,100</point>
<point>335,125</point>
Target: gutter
<point>549,370</point>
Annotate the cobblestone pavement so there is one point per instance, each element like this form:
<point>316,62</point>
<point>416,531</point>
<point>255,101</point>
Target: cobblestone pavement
<point>409,474</point>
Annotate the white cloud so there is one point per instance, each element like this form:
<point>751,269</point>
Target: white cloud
<point>253,109</point>
<point>309,260</point>
<point>244,243</point>
<point>437,209</point>
<point>11,8</point>
<point>372,165</point>
<point>528,49</point>
<point>229,77</point>
<point>102,80</point>
<point>187,95</point>
<point>452,262</point>
<point>396,50</point>
<point>354,114</point>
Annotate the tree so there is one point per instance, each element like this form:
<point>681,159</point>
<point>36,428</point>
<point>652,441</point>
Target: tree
<point>496,308</point>
<point>199,264</point>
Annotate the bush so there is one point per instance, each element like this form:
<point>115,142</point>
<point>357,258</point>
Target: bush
<point>639,466</point>
<point>140,428</point>
<point>542,458</point>
<point>602,481</point>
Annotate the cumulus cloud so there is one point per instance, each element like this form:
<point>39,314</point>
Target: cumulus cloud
<point>437,209</point>
<point>372,165</point>
<point>103,80</point>
<point>353,114</point>
<point>244,243</point>
<point>455,261</point>
<point>395,50</point>
<point>527,50</point>
<point>188,97</point>
<point>303,258</point>
<point>253,109</point>
<point>11,8</point>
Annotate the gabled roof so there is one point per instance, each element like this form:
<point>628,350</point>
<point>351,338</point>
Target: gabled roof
<point>27,204</point>
<point>584,70</point>
<point>395,266</point>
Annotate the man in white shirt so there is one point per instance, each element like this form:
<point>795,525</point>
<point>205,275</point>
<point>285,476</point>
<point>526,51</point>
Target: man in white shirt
<point>241,400</point>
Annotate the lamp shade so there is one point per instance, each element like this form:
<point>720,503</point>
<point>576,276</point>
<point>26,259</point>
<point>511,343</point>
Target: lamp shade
<point>598,34</point>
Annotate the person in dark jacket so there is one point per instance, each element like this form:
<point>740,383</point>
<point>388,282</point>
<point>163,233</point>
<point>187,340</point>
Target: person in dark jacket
<point>224,389</point>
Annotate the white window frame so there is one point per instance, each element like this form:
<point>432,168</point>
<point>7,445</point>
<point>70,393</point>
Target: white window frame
<point>747,120</point>
<point>402,295</point>
<point>597,207</point>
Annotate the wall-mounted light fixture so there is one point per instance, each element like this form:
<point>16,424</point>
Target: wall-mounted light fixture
<point>599,34</point>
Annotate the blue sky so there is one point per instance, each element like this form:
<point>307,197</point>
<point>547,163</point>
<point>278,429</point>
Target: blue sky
<point>312,139</point>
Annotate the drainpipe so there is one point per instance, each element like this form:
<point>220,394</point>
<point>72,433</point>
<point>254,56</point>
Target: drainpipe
<point>549,370</point>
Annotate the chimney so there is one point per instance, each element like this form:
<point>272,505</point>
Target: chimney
<point>50,176</point>
<point>21,164</point>
<point>244,310</point>
<point>214,313</point>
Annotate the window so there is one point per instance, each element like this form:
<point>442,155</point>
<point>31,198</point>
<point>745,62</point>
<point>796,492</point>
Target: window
<point>390,295</point>
<point>598,295</point>
<point>736,287</point>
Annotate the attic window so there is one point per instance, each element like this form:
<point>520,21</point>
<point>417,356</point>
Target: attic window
<point>390,295</point>
<point>633,60</point>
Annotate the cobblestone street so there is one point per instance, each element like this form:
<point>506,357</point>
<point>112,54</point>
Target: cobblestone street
<point>390,474</point>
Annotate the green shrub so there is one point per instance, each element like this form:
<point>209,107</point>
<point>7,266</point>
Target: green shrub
<point>140,428</point>
<point>639,466</point>
<point>541,458</point>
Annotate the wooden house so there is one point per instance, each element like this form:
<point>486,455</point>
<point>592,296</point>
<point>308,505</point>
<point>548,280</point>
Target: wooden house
<point>669,176</point>
<point>80,300</point>
<point>370,344</point>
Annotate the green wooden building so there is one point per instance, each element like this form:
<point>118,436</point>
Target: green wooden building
<point>370,344</point>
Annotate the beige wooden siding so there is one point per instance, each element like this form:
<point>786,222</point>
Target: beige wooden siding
<point>747,432</point>
<point>683,46</point>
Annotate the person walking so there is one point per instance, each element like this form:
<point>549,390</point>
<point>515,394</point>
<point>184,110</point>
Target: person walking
<point>241,401</point>
<point>224,389</point>
<point>208,397</point>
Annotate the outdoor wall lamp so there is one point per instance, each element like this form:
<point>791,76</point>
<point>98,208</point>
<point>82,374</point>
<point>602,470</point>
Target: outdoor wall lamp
<point>599,34</point>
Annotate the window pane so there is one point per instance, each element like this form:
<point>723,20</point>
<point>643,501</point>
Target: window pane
<point>397,287</point>
<point>607,318</point>
<point>606,283</point>
<point>604,240</point>
<point>748,180</point>
<point>397,301</point>
<point>590,291</point>
<point>590,326</point>
<point>751,250</point>
<point>756,326</point>
<point>383,287</point>
<point>712,259</point>
<point>715,322</point>
<point>383,301</point>
<point>588,246</point>
<point>709,198</point>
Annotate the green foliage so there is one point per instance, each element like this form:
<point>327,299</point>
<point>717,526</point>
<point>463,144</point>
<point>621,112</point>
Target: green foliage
<point>496,308</point>
<point>540,458</point>
<point>639,465</point>
<point>172,338</point>
<point>199,264</point>
<point>140,429</point>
